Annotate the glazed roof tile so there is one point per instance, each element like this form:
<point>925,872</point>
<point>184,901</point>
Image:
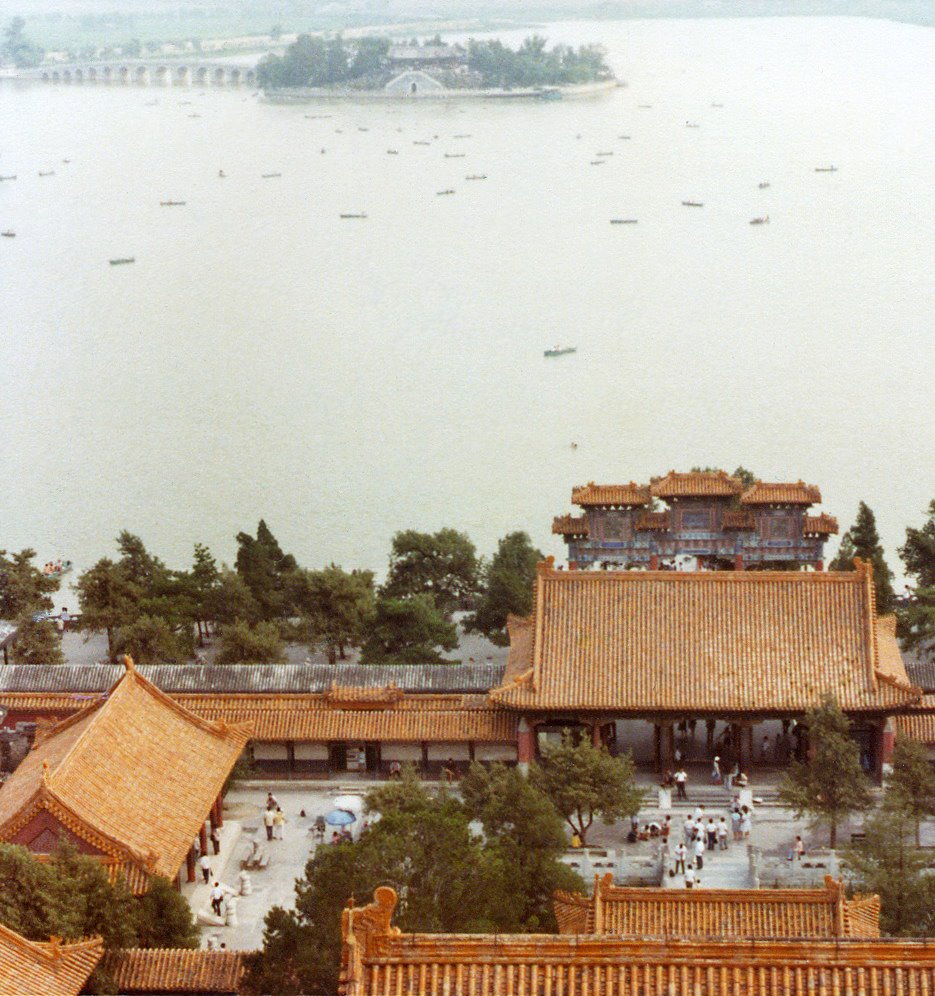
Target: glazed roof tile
<point>103,772</point>
<point>175,970</point>
<point>597,495</point>
<point>776,493</point>
<point>672,641</point>
<point>33,968</point>
<point>570,525</point>
<point>695,484</point>
<point>730,913</point>
<point>820,525</point>
<point>376,958</point>
<point>254,678</point>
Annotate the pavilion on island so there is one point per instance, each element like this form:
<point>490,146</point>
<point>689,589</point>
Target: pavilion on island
<point>130,778</point>
<point>711,520</point>
<point>378,960</point>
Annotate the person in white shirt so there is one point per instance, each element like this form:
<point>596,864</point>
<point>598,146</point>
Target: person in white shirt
<point>217,895</point>
<point>689,877</point>
<point>681,777</point>
<point>269,821</point>
<point>205,863</point>
<point>680,852</point>
<point>698,848</point>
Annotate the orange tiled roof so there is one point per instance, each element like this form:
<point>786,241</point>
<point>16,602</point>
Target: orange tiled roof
<point>278,716</point>
<point>734,913</point>
<point>652,520</point>
<point>820,525</point>
<point>592,494</point>
<point>695,484</point>
<point>570,525</point>
<point>795,493</point>
<point>920,723</point>
<point>738,520</point>
<point>665,640</point>
<point>378,960</point>
<point>33,968</point>
<point>363,694</point>
<point>175,970</point>
<point>135,775</point>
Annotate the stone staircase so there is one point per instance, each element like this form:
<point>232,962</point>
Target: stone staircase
<point>728,869</point>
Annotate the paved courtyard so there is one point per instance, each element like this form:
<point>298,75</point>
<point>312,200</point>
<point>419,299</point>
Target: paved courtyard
<point>774,830</point>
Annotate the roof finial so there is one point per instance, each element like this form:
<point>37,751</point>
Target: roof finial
<point>54,947</point>
<point>46,772</point>
<point>128,663</point>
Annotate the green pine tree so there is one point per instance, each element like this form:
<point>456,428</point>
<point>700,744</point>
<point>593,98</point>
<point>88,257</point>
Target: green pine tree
<point>862,540</point>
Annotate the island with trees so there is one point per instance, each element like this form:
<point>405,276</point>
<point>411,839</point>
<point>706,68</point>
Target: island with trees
<point>374,66</point>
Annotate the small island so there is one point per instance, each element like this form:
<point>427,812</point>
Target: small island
<point>373,66</point>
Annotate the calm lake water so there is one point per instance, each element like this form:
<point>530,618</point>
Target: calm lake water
<point>348,378</point>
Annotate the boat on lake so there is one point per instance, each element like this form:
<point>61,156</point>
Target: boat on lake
<point>455,155</point>
<point>598,162</point>
<point>462,136</point>
<point>603,153</point>
<point>441,193</point>
<point>693,204</point>
<point>421,143</point>
<point>124,259</point>
<point>763,185</point>
<point>392,152</point>
<point>13,177</point>
<point>270,176</point>
<point>691,124</point>
<point>171,204</point>
<point>760,221</point>
<point>560,350</point>
<point>623,221</point>
<point>50,172</point>
<point>476,176</point>
<point>623,138</point>
<point>8,235</point>
<point>826,169</point>
<point>354,215</point>
<point>56,568</point>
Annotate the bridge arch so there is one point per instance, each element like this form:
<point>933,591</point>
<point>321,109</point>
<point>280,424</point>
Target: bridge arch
<point>142,75</point>
<point>107,74</point>
<point>162,76</point>
<point>217,77</point>
<point>79,76</point>
<point>183,76</point>
<point>56,76</point>
<point>92,74</point>
<point>123,74</point>
<point>201,75</point>
<point>46,77</point>
<point>250,76</point>
<point>234,77</point>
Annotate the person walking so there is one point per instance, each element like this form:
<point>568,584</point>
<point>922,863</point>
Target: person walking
<point>764,749</point>
<point>735,822</point>
<point>689,829</point>
<point>205,862</point>
<point>279,821</point>
<point>680,852</point>
<point>217,896</point>
<point>666,829</point>
<point>269,820</point>
<point>689,877</point>
<point>711,830</point>
<point>681,777</point>
<point>799,848</point>
<point>271,801</point>
<point>716,771</point>
<point>698,848</point>
<point>722,834</point>
<point>746,823</point>
<point>216,840</point>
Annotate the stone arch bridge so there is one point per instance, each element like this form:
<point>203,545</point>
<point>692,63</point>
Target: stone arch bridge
<point>148,72</point>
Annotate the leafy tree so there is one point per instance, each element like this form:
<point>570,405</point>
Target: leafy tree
<point>151,640</point>
<point>887,864</point>
<point>204,580</point>
<point>335,607</point>
<point>140,567</point>
<point>108,600</point>
<point>830,785</point>
<point>24,589</point>
<point>746,477</point>
<point>443,565</point>
<point>408,631</point>
<point>864,542</point>
<point>507,587</point>
<point>36,643</point>
<point>525,836</point>
<point>912,781</point>
<point>241,643</point>
<point>266,570</point>
<point>232,601</point>
<point>164,918</point>
<point>17,47</point>
<point>917,620</point>
<point>584,781</point>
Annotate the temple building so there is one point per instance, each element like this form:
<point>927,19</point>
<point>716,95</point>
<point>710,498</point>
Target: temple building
<point>130,778</point>
<point>684,947</point>
<point>710,521</point>
<point>627,658</point>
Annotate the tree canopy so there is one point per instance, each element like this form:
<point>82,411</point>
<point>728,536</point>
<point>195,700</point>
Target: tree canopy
<point>266,571</point>
<point>335,607</point>
<point>407,631</point>
<point>18,48</point>
<point>912,780</point>
<point>862,540</point>
<point>447,879</point>
<point>917,620</point>
<point>583,781</point>
<point>442,565</point>
<point>24,593</point>
<point>831,784</point>
<point>241,643</point>
<point>506,587</point>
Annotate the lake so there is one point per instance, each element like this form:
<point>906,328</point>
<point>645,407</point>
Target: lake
<point>348,378</point>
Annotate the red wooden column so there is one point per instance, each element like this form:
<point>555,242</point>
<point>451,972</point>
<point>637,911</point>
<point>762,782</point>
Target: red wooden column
<point>203,839</point>
<point>738,562</point>
<point>190,865</point>
<point>525,744</point>
<point>654,561</point>
<point>219,812</point>
<point>886,741</point>
<point>596,738</point>
<point>819,565</point>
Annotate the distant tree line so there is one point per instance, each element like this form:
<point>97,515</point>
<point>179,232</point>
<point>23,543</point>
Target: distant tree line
<point>312,61</point>
<point>17,48</point>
